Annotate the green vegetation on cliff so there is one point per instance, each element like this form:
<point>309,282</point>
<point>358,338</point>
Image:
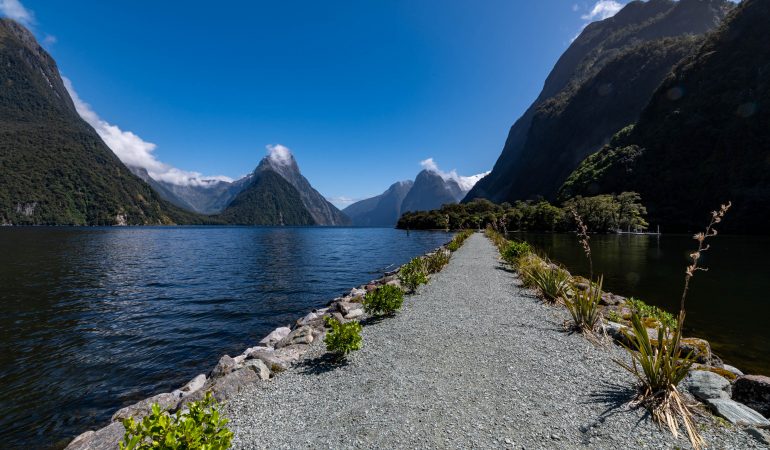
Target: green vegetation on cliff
<point>704,136</point>
<point>54,168</point>
<point>269,200</point>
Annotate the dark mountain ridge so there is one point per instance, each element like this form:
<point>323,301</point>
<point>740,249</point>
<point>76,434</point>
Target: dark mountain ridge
<point>552,136</point>
<point>703,139</point>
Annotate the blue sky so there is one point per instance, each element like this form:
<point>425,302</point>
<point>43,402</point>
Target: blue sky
<point>360,91</point>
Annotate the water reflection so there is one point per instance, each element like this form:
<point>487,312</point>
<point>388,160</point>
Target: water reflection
<point>93,319</point>
<point>726,305</point>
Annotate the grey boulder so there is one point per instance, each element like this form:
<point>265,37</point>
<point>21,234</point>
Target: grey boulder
<point>102,439</point>
<point>302,335</point>
<point>737,413</point>
<point>138,410</point>
<point>275,336</point>
<point>705,385</point>
<point>225,365</point>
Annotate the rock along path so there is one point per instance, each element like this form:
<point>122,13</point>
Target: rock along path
<point>472,361</point>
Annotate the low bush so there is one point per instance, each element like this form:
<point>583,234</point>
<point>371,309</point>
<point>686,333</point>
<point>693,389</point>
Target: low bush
<point>458,240</point>
<point>553,282</point>
<point>435,262</point>
<point>413,274</point>
<point>513,250</point>
<point>652,316</point>
<point>584,307</point>
<point>200,427</point>
<point>384,300</point>
<point>342,338</point>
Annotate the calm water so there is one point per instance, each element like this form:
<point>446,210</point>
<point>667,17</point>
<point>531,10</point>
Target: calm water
<point>95,319</point>
<point>728,305</point>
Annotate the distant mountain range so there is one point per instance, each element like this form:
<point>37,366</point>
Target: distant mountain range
<point>703,138</point>
<point>54,168</point>
<point>599,85</point>
<point>429,190</point>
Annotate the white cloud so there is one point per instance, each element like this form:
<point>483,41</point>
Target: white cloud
<point>575,7</point>
<point>133,150</point>
<point>603,9</point>
<point>279,154</point>
<point>466,183</point>
<point>49,39</point>
<point>13,9</point>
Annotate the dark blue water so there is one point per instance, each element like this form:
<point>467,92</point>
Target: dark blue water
<point>728,305</point>
<point>95,319</point>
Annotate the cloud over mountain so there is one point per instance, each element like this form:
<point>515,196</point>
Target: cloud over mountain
<point>465,183</point>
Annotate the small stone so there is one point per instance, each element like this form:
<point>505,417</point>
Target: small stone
<point>737,413</point>
<point>191,386</point>
<point>167,401</point>
<point>275,336</point>
<point>732,369</point>
<point>753,391</point>
<point>225,365</point>
<point>354,314</point>
<point>345,307</point>
<point>705,385</point>
<point>107,437</point>
<point>302,335</point>
<point>763,436</point>
<point>259,367</point>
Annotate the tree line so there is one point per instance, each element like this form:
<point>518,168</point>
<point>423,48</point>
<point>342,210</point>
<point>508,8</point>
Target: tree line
<point>602,213</point>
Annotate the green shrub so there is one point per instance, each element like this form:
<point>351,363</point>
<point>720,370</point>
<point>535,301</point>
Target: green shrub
<point>647,312</point>
<point>458,240</point>
<point>413,274</point>
<point>343,338</point>
<point>584,307</point>
<point>435,262</point>
<point>200,427</point>
<point>553,282</point>
<point>515,250</point>
<point>385,299</point>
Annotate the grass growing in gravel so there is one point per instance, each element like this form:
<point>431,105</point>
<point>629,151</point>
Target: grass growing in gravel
<point>584,307</point>
<point>436,261</point>
<point>385,300</point>
<point>459,239</point>
<point>342,338</point>
<point>553,282</point>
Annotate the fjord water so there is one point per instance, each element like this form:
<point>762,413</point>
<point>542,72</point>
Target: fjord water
<point>92,319</point>
<point>727,305</point>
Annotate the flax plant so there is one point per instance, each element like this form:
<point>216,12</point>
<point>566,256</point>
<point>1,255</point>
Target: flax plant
<point>660,365</point>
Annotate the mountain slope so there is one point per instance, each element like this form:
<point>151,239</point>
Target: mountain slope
<point>323,212</point>
<point>207,197</point>
<point>599,85</point>
<point>268,200</point>
<point>703,139</point>
<point>430,191</point>
<point>382,210</point>
<point>54,168</point>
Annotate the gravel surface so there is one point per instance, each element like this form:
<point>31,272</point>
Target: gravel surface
<point>472,361</point>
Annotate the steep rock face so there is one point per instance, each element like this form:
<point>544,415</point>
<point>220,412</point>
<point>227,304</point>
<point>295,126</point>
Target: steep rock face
<point>268,200</point>
<point>703,139</point>
<point>278,194</point>
<point>323,212</point>
<point>205,197</point>
<point>382,210</point>
<point>54,168</point>
<point>540,151</point>
<point>430,191</point>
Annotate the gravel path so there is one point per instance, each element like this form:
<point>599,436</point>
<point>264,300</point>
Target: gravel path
<point>472,361</point>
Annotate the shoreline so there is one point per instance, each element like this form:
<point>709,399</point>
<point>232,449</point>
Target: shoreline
<point>276,352</point>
